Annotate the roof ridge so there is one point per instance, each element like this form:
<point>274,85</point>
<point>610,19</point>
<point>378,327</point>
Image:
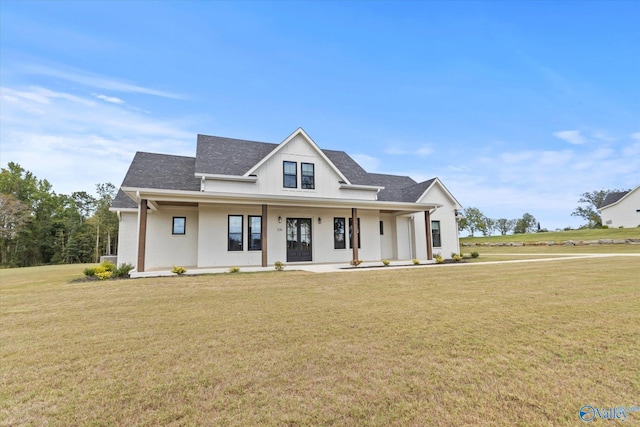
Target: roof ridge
<point>163,154</point>
<point>235,139</point>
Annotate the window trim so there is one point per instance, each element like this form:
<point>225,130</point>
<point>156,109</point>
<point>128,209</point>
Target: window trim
<point>336,243</point>
<point>250,233</point>
<point>229,248</point>
<point>184,226</point>
<point>313,176</point>
<point>285,174</point>
<point>433,234</point>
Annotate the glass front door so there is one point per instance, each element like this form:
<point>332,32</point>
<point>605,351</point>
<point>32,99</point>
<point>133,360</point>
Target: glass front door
<point>298,239</point>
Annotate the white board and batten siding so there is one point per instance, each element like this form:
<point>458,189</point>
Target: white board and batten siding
<point>270,176</point>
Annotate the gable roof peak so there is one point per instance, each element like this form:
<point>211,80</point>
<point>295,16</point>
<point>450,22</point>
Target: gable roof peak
<point>313,145</point>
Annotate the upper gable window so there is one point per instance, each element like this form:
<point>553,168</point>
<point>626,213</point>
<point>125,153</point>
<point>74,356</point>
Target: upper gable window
<point>290,179</point>
<point>308,176</point>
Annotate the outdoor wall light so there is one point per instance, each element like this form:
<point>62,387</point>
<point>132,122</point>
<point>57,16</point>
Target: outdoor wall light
<point>280,219</point>
<point>319,220</point>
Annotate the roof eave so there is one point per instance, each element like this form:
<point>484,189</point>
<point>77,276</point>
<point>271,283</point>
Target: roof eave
<point>221,177</point>
<point>219,197</point>
<point>375,188</point>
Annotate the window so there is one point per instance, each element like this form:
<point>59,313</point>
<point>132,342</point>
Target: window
<point>255,233</point>
<point>435,234</point>
<point>235,232</point>
<point>339,241</point>
<point>338,233</point>
<point>179,225</point>
<point>381,228</point>
<point>290,175</point>
<point>350,231</point>
<point>308,176</point>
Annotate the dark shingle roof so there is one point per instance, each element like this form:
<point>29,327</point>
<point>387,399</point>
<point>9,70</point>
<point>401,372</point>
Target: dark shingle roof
<point>611,198</point>
<point>162,171</point>
<point>412,193</point>
<point>393,185</point>
<point>228,156</point>
<point>349,168</point>
<point>122,201</point>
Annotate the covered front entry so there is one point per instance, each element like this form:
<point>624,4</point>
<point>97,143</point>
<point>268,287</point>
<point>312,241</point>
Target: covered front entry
<point>299,239</point>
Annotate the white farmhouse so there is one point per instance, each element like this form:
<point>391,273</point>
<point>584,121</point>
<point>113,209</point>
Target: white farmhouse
<point>246,203</point>
<point>621,209</point>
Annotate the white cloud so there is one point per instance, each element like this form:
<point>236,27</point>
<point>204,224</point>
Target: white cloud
<point>546,183</point>
<point>424,150</point>
<point>97,81</point>
<point>570,136</point>
<point>111,99</point>
<point>76,142</point>
<point>603,136</point>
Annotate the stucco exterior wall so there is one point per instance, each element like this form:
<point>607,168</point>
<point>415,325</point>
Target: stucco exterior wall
<point>128,238</point>
<point>213,240</point>
<point>446,214</point>
<point>624,213</point>
<point>388,249</point>
<point>213,246</point>
<point>405,237</point>
<point>164,249</point>
<point>448,231</point>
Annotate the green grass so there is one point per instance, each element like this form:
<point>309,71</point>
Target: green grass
<point>559,236</point>
<point>511,344</point>
<point>507,253</point>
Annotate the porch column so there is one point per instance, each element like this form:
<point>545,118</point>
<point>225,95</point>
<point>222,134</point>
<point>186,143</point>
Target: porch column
<point>427,227</point>
<point>263,235</point>
<point>354,232</point>
<point>142,235</point>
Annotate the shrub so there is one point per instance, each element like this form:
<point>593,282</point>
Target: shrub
<point>416,261</point>
<point>279,265</point>
<point>439,259</point>
<point>90,271</point>
<point>385,262</point>
<point>475,254</point>
<point>604,227</point>
<point>103,275</point>
<point>234,269</point>
<point>123,270</point>
<point>457,257</point>
<point>108,266</point>
<point>356,262</point>
<point>178,270</point>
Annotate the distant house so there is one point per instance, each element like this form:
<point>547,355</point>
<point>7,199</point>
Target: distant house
<point>246,203</point>
<point>621,209</point>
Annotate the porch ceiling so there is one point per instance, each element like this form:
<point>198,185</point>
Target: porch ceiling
<point>193,198</point>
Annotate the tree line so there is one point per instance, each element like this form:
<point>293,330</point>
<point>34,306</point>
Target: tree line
<point>474,220</point>
<point>39,226</point>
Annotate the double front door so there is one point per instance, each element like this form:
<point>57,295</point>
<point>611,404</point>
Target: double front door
<point>298,239</point>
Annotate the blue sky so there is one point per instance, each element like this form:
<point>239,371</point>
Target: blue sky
<point>516,106</point>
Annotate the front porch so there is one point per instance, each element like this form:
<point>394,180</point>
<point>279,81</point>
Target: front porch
<point>211,235</point>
